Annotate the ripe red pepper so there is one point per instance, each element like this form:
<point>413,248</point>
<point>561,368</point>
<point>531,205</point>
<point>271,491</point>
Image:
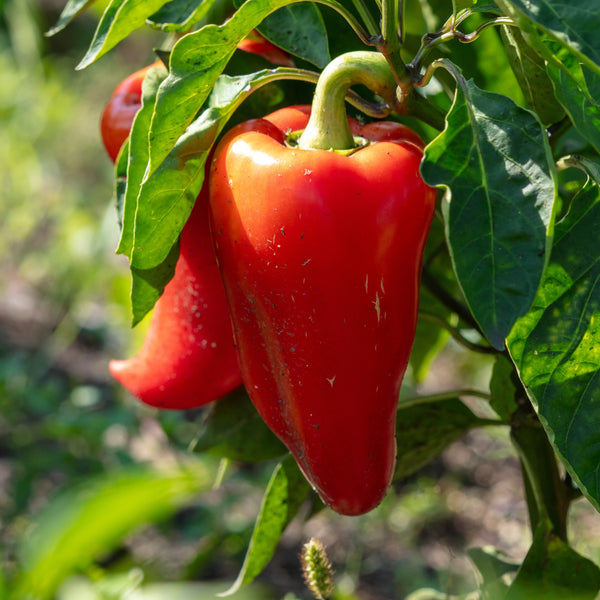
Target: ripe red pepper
<point>257,44</point>
<point>188,357</point>
<point>320,253</point>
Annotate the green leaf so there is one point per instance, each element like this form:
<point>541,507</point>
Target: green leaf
<point>580,96</point>
<point>502,388</point>
<point>285,493</point>
<point>69,12</point>
<point>120,18</point>
<point>566,37</point>
<point>196,62</point>
<point>299,29</point>
<point>530,70</point>
<point>167,197</point>
<point>424,430</point>
<point>494,159</point>
<point>573,25</point>
<point>137,157</point>
<point>233,429</point>
<point>180,15</point>
<point>555,345</point>
<point>85,523</point>
<point>147,285</point>
<point>554,571</point>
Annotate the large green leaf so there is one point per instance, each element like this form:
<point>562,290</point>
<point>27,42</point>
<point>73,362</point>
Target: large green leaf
<point>196,62</point>
<point>85,523</point>
<point>120,18</point>
<point>556,345</point>
<point>572,24</point>
<point>494,159</point>
<point>285,493</point>
<point>566,36</point>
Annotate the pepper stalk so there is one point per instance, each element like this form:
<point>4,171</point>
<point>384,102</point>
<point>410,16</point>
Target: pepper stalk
<point>328,127</point>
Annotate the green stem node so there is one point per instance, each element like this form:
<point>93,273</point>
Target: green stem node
<point>328,127</point>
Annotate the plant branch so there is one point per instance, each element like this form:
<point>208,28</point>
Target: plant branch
<point>457,335</point>
<point>389,45</point>
<point>449,32</point>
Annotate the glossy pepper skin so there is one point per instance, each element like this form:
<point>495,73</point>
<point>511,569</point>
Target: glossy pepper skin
<point>188,357</point>
<point>320,253</point>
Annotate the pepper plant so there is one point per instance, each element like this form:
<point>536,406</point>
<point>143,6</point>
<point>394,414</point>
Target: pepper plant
<point>506,98</point>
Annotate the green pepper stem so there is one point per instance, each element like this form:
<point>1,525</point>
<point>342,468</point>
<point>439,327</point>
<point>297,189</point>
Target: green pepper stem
<point>328,127</point>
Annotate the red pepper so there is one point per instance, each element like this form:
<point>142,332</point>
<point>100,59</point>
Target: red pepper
<point>188,358</point>
<point>257,44</point>
<point>320,253</point>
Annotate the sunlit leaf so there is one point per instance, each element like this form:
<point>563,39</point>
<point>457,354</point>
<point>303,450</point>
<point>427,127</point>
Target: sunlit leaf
<point>196,62</point>
<point>494,159</point>
<point>167,196</point>
<point>572,25</point>
<point>120,18</point>
<point>555,345</point>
